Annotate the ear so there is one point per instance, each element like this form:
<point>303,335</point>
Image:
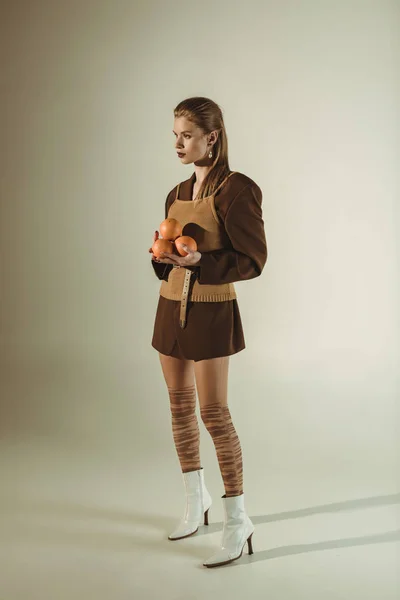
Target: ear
<point>213,137</point>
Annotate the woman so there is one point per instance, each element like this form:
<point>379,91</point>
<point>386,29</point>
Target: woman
<point>198,325</point>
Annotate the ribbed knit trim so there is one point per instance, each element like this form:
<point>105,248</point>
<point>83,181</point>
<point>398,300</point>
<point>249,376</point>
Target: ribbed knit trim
<point>216,297</point>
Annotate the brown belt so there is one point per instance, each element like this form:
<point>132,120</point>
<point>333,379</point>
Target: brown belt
<point>185,294</point>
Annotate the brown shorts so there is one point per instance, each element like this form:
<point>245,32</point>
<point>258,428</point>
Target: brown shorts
<point>212,329</point>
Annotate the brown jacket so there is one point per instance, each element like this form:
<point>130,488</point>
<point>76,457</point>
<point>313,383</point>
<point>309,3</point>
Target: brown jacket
<point>238,205</point>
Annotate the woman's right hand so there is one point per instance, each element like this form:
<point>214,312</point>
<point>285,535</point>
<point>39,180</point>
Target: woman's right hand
<point>155,237</point>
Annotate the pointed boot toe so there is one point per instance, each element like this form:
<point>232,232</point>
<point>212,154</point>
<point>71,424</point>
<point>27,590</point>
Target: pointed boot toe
<point>238,529</point>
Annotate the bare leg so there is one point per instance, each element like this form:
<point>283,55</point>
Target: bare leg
<point>212,387</point>
<point>179,378</point>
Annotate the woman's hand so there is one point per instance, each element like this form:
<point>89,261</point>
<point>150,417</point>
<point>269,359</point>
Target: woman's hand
<point>191,260</point>
<point>155,238</point>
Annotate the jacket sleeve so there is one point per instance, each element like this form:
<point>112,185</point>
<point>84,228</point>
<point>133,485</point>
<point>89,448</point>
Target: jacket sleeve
<point>162,270</point>
<point>244,226</point>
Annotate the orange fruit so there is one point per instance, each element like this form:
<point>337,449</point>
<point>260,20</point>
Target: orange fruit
<point>187,241</point>
<point>162,245</point>
<point>170,229</point>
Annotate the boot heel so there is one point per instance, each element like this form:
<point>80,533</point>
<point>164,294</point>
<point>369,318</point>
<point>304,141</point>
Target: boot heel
<point>250,544</point>
<point>206,517</point>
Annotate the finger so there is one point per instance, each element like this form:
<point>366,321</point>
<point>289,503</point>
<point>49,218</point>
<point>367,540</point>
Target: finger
<point>168,256</point>
<point>167,261</point>
<point>171,256</point>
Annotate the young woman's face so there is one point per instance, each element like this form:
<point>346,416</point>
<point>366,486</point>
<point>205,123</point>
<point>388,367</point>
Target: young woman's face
<point>191,142</point>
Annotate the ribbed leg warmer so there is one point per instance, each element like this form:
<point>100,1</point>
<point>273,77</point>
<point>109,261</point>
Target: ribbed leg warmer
<point>185,427</point>
<point>217,419</point>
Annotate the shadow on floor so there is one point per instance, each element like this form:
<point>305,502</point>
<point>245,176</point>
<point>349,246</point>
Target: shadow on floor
<point>53,522</point>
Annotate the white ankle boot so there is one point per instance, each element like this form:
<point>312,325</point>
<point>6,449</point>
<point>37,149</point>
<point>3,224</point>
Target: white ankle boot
<point>238,529</point>
<point>198,502</point>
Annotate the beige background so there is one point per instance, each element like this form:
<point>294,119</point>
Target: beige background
<point>90,478</point>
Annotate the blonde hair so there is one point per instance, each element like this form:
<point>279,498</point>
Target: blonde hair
<point>207,115</point>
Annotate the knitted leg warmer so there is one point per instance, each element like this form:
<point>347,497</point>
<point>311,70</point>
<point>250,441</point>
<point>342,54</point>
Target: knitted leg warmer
<point>185,427</point>
<point>217,419</point>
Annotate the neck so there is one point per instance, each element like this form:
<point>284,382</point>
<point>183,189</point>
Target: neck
<point>201,173</point>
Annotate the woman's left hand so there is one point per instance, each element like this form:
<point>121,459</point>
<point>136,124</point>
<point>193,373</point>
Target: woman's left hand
<point>191,260</point>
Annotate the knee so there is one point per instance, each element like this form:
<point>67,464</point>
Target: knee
<point>213,417</point>
<point>182,401</point>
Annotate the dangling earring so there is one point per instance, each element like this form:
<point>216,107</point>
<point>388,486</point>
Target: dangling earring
<point>210,154</point>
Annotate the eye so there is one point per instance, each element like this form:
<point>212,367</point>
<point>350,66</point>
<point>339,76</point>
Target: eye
<point>187,136</point>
